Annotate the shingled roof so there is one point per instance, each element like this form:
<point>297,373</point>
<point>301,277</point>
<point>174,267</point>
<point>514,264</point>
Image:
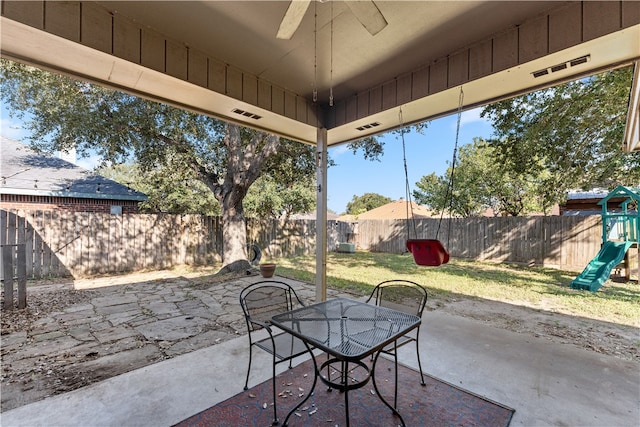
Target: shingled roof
<point>24,171</point>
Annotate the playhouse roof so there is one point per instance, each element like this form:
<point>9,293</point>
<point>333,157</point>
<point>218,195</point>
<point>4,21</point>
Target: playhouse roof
<point>620,191</point>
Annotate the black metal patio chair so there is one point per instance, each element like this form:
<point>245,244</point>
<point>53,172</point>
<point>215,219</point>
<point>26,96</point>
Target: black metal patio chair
<point>261,301</point>
<point>408,297</point>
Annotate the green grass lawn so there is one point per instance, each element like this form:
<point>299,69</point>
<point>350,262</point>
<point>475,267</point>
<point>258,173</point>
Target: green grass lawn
<point>529,286</point>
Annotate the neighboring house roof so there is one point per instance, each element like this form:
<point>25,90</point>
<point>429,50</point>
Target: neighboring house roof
<point>312,215</point>
<point>393,210</point>
<point>26,172</point>
<point>595,193</point>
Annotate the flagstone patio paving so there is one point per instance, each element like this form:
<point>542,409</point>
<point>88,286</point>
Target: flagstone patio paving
<point>77,334</point>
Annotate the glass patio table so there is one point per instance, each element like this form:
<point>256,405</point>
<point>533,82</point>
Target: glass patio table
<point>348,331</point>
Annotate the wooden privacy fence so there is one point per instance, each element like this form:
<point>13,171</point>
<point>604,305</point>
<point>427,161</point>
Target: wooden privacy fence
<point>63,243</point>
<point>567,242</point>
<point>59,243</point>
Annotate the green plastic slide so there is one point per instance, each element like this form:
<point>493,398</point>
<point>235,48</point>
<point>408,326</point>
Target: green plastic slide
<point>599,269</point>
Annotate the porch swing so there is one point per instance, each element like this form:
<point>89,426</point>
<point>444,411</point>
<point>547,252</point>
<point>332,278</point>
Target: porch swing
<point>430,252</point>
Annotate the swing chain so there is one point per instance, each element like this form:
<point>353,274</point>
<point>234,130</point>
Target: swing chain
<point>409,206</point>
<point>449,193</point>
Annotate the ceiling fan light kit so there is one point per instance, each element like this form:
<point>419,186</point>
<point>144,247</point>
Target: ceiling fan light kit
<point>366,12</point>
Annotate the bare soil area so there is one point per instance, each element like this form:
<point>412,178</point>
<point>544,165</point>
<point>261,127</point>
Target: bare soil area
<point>30,373</point>
<point>622,341</point>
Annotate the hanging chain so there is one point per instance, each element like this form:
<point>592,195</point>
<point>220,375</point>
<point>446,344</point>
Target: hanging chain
<point>409,206</point>
<point>449,193</point>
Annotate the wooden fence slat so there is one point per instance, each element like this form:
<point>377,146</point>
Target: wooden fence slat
<point>58,226</point>
<point>50,240</point>
<point>3,227</point>
<point>28,240</point>
<point>21,275</point>
<point>3,238</point>
<point>36,246</point>
<point>133,251</point>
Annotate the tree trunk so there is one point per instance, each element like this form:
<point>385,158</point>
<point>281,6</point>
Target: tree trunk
<point>245,160</point>
<point>234,235</point>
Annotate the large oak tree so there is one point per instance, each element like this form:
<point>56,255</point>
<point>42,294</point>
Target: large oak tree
<point>545,144</point>
<point>63,113</point>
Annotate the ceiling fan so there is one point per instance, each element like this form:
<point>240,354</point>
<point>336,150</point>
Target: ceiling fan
<point>365,11</point>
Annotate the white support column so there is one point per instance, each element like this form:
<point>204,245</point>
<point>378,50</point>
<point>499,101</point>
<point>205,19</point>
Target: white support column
<point>321,215</point>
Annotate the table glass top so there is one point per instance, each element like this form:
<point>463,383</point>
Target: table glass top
<point>346,328</point>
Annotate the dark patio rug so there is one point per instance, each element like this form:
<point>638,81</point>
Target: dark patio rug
<point>438,404</point>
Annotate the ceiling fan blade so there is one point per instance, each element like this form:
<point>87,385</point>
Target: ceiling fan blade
<point>368,14</point>
<point>292,18</point>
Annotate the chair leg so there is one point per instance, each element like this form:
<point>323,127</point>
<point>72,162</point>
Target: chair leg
<point>395,392</point>
<point>419,363</point>
<point>291,352</point>
<point>246,381</point>
<point>273,382</point>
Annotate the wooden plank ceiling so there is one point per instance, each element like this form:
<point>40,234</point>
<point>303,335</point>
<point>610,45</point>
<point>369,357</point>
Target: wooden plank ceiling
<point>223,57</point>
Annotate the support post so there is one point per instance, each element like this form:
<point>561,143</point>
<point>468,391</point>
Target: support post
<point>321,215</point>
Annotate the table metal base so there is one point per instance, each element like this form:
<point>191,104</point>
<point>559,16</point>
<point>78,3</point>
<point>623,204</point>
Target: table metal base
<point>346,381</point>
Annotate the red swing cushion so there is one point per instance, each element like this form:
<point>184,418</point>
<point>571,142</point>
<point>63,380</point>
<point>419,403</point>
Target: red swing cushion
<point>429,252</point>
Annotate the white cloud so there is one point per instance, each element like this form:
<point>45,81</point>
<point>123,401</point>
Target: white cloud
<point>89,163</point>
<point>472,116</point>
<point>12,129</point>
<point>339,150</point>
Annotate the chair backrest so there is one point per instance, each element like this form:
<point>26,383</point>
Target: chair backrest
<point>401,295</point>
<point>262,300</point>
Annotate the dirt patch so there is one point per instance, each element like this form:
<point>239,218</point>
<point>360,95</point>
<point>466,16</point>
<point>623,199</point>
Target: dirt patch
<point>612,339</point>
<point>42,303</point>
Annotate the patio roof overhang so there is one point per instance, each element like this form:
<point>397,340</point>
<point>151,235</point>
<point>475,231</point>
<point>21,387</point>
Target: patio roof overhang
<point>222,58</point>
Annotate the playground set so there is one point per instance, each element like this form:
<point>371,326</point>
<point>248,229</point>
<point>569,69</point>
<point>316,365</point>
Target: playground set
<point>620,232</point>
<point>620,227</point>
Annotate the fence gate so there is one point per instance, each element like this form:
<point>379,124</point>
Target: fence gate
<point>14,269</point>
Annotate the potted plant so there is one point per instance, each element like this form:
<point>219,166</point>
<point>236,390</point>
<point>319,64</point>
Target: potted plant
<point>267,269</point>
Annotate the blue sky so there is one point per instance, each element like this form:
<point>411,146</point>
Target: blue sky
<point>12,128</point>
<point>426,153</point>
<point>430,152</point>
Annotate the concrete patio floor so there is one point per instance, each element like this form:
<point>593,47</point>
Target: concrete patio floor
<point>547,383</point>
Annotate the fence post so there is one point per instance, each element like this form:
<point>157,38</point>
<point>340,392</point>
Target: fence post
<point>14,266</point>
<point>7,269</point>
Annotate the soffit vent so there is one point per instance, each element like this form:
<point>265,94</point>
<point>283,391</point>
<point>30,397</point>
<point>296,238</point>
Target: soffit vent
<point>563,66</point>
<point>369,126</point>
<point>246,114</point>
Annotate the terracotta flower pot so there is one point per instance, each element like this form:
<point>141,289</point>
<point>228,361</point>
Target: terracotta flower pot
<point>267,270</point>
